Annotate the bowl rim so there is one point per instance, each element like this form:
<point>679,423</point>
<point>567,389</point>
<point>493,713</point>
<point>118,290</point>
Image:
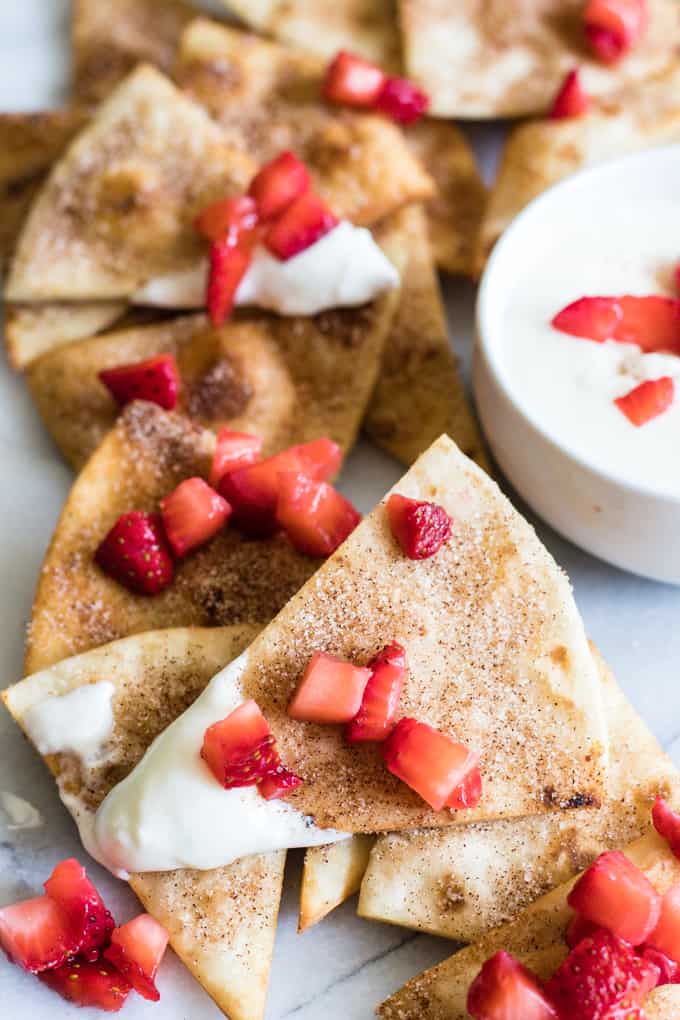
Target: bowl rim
<point>484,345</point>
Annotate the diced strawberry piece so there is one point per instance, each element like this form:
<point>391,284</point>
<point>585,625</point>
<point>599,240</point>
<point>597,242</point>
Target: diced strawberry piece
<point>652,322</point>
<point>420,528</point>
<point>468,793</point>
<point>666,934</point>
<point>314,515</point>
<point>571,100</point>
<point>330,690</point>
<point>667,824</point>
<point>36,935</point>
<point>192,514</point>
<point>601,979</point>
<point>135,553</point>
<point>156,380</point>
<point>97,984</point>
<point>505,990</point>
<point>136,951</point>
<point>612,27</point>
<point>669,970</point>
<point>301,225</point>
<point>616,895</point>
<point>401,100</point>
<point>428,761</point>
<point>88,919</point>
<point>593,318</point>
<point>253,492</point>
<point>577,929</point>
<point>230,218</point>
<point>647,400</point>
<point>233,450</point>
<point>352,81</point>
<point>240,750</point>
<point>278,184</point>
<point>375,718</point>
<point>279,783</point>
<point>228,265</point>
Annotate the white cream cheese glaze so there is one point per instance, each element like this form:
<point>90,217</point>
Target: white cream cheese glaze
<point>78,722</point>
<point>343,269</point>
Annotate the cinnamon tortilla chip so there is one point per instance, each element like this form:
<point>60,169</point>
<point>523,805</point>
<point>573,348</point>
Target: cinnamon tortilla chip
<point>31,330</point>
<point>536,938</point>
<point>461,883</point>
<point>483,58</point>
<point>222,923</point>
<point>331,874</point>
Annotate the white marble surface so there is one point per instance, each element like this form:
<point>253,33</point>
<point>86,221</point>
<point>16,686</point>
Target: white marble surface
<point>342,968</point>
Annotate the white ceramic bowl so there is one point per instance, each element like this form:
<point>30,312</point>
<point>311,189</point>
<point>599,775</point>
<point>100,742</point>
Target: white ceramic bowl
<point>631,526</point>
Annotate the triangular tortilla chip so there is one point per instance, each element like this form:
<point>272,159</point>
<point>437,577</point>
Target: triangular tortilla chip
<point>508,59</point>
<point>461,883</point>
<point>535,937</point>
<point>109,40</point>
<point>222,923</point>
<point>118,207</point>
<point>30,330</point>
<point>496,651</point>
<point>540,154</point>
<point>419,394</point>
<point>331,875</point>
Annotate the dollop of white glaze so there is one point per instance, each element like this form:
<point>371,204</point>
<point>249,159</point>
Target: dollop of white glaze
<point>79,722</point>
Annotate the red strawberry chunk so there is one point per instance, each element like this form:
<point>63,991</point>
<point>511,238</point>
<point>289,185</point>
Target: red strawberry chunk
<point>156,380</point>
<point>666,934</point>
<point>403,101</point>
<point>571,100</point>
<point>136,951</point>
<point>330,690</point>
<point>301,225</point>
<point>135,553</point>
<point>278,184</point>
<point>577,929</point>
<point>505,990</point>
<point>253,492</point>
<point>192,514</point>
<point>230,218</point>
<point>468,793</point>
<point>652,322</point>
<point>240,750</point>
<point>233,450</point>
<point>616,895</point>
<point>82,906</point>
<point>428,761</point>
<point>612,27</point>
<point>669,970</point>
<point>601,979</point>
<point>97,984</point>
<point>314,515</point>
<point>667,824</point>
<point>279,783</point>
<point>593,318</point>
<point>228,265</point>
<point>36,934</point>
<point>420,528</point>
<point>375,718</point>
<point>648,400</point>
<point>352,81</point>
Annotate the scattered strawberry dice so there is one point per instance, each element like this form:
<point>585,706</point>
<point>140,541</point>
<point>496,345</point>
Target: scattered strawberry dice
<point>669,970</point>
<point>136,554</point>
<point>651,322</point>
<point>231,219</point>
<point>505,990</point>
<point>613,27</point>
<point>279,783</point>
<point>240,750</point>
<point>428,761</point>
<point>667,824</point>
<point>314,515</point>
<point>156,380</point>
<point>592,318</point>
<point>615,894</point>
<point>375,719</point>
<point>278,184</point>
<point>301,225</point>
<point>666,934</point>
<point>571,100</point>
<point>233,450</point>
<point>647,401</point>
<point>192,514</point>
<point>420,528</point>
<point>136,951</point>
<point>468,793</point>
<point>330,691</point>
<point>253,491</point>
<point>81,905</point>
<point>85,983</point>
<point>403,101</point>
<point>352,81</point>
<point>229,263</point>
<point>36,935</point>
<point>601,979</point>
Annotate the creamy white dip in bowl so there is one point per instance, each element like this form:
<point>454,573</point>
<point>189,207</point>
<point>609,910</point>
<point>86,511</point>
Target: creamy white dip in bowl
<point>546,399</point>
